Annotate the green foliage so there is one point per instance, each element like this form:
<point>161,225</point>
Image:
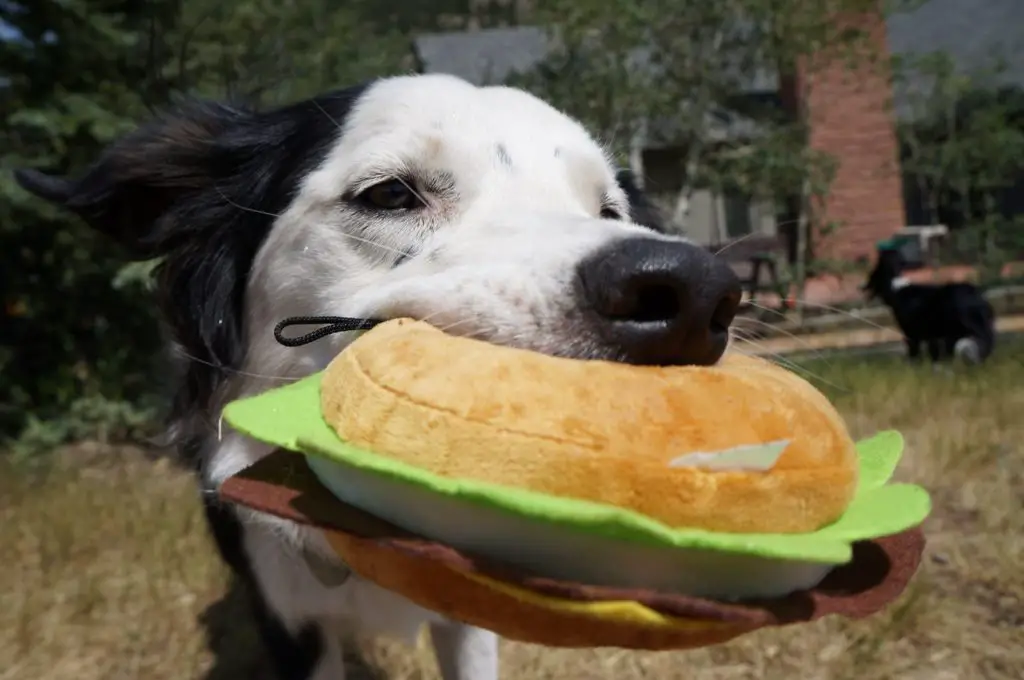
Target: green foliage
<point>618,62</point>
<point>962,136</point>
<point>80,349</point>
<point>266,52</point>
<point>66,334</point>
<point>603,89</point>
<point>93,417</point>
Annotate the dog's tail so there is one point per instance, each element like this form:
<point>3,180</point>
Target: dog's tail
<point>977,347</point>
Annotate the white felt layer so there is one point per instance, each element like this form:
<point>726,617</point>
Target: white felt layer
<point>556,551</point>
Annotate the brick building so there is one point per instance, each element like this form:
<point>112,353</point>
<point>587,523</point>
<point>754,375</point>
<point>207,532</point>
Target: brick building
<point>849,117</point>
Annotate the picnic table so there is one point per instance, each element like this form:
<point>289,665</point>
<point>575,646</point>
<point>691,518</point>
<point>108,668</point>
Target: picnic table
<point>755,259</point>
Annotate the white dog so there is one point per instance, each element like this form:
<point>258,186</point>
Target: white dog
<point>481,210</point>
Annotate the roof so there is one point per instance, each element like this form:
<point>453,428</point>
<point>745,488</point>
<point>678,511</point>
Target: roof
<point>972,32</point>
<point>483,57</point>
<point>490,56</point>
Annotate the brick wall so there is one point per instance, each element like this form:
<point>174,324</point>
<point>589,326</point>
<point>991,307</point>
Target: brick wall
<point>849,116</point>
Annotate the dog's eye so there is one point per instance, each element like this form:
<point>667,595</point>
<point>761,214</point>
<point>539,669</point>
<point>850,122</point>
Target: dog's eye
<point>393,194</point>
<point>608,213</point>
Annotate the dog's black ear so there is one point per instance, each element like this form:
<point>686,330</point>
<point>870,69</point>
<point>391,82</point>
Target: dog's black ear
<point>53,189</point>
<point>642,210</point>
<point>138,180</point>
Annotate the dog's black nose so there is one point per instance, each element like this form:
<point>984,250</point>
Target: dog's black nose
<point>661,302</point>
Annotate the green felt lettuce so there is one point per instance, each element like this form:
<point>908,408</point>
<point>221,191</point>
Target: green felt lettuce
<point>289,417</point>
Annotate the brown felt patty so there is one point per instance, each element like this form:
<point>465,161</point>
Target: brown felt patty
<point>283,485</point>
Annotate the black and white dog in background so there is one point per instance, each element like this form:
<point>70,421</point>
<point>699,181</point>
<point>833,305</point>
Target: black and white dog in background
<point>952,319</point>
<point>482,210</point>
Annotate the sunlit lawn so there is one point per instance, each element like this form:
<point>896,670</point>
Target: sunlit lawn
<point>108,572</point>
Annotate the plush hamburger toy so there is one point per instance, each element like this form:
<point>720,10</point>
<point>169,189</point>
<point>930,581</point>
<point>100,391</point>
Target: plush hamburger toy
<point>585,503</point>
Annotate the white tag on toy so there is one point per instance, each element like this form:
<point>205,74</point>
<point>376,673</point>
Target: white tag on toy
<point>747,458</point>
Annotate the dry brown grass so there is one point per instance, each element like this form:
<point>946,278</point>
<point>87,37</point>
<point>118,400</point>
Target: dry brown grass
<point>108,572</point>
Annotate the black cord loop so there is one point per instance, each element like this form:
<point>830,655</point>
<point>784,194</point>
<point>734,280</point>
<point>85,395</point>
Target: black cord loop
<point>331,325</point>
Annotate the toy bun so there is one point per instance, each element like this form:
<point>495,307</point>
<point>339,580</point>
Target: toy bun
<point>743,446</point>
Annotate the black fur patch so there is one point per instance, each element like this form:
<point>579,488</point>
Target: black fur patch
<point>641,210</point>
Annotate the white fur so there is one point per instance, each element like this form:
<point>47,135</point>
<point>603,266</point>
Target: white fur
<point>899,283</point>
<point>967,350</point>
<point>495,263</point>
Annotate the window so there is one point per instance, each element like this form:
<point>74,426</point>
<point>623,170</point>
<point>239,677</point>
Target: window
<point>738,221</point>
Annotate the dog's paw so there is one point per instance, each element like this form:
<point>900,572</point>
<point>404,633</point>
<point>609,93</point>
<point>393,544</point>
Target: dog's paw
<point>968,351</point>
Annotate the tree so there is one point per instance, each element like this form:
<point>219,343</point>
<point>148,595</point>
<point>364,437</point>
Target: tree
<point>77,335</point>
<point>962,136</point>
<point>267,53</point>
<point>77,79</point>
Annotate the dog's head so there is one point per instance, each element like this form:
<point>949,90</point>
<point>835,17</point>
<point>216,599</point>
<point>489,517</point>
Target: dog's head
<point>888,270</point>
<point>482,210</point>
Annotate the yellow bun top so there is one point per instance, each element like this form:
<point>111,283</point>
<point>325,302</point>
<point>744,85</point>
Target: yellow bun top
<point>662,441</point>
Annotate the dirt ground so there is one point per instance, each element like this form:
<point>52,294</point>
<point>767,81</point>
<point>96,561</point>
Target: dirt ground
<point>109,574</point>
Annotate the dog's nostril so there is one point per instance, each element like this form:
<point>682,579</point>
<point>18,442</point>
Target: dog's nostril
<point>725,313</point>
<point>652,302</point>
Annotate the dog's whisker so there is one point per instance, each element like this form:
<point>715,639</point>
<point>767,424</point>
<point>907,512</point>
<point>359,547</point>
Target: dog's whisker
<point>790,365</point>
<point>844,312</point>
<point>327,114</point>
<point>741,239</point>
<point>447,327</point>
<point>444,328</point>
<point>736,333</point>
<point>770,310</point>
<point>413,191</point>
<point>815,352</point>
<point>236,371</point>
<point>822,306</point>
<point>433,315</point>
<point>787,363</point>
<point>828,308</point>
<point>378,244</point>
<point>234,204</point>
<point>478,333</point>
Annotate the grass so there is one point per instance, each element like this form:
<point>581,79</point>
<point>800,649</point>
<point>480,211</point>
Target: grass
<point>109,573</point>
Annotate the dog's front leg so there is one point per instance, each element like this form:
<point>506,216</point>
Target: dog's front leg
<point>464,652</point>
<point>913,349</point>
<point>331,664</point>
